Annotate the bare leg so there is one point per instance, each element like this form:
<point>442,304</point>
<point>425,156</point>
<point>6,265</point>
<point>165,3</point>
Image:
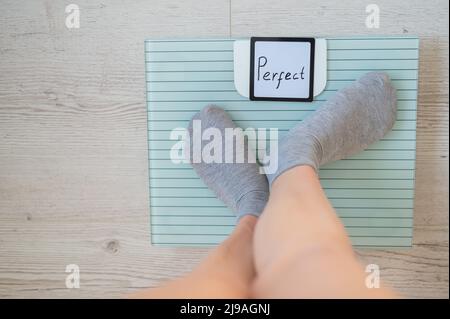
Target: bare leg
<point>227,272</point>
<point>301,248</point>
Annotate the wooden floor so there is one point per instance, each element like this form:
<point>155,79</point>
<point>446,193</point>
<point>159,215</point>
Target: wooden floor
<point>73,151</point>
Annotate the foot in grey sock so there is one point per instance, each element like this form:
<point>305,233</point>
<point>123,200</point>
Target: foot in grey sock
<point>349,122</point>
<point>239,185</point>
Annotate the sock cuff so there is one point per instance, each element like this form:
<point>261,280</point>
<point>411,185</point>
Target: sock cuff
<point>252,203</point>
<point>305,162</point>
<point>294,152</point>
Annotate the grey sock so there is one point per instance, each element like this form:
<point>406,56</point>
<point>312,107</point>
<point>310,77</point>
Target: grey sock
<point>349,122</point>
<point>239,185</point>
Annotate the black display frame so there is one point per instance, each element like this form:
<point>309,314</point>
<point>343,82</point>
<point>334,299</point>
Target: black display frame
<point>253,41</point>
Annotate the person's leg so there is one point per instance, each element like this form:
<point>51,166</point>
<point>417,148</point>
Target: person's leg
<point>301,247</point>
<point>227,272</point>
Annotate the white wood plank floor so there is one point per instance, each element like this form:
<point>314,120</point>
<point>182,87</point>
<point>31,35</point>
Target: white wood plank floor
<point>73,159</point>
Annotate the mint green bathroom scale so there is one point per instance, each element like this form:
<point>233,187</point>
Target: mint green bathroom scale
<point>372,192</point>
